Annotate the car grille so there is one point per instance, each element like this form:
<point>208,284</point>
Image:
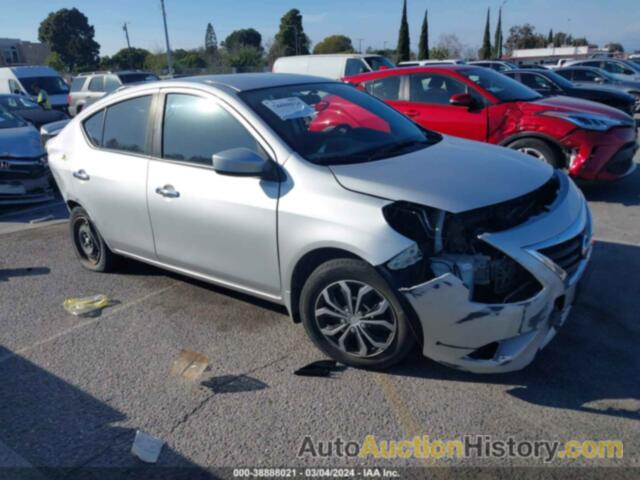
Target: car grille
<point>22,169</point>
<point>567,255</point>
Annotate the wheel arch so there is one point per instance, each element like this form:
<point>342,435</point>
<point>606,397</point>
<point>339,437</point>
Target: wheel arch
<point>552,142</point>
<point>307,264</point>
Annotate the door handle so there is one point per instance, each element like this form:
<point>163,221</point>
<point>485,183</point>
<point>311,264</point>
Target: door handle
<point>167,191</point>
<point>412,113</point>
<point>81,175</point>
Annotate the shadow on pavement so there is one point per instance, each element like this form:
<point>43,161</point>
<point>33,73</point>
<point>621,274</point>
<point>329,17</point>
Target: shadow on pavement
<point>63,432</point>
<point>625,191</point>
<point>7,274</point>
<point>592,365</point>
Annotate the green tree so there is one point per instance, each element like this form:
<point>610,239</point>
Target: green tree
<point>129,58</point>
<point>485,51</point>
<point>523,37</point>
<point>423,45</point>
<point>245,57</point>
<point>550,37</point>
<point>561,39</point>
<point>67,32</point>
<point>613,47</point>
<point>497,42</point>
<point>334,44</point>
<point>191,60</point>
<point>404,49</point>
<point>290,39</point>
<point>210,39</point>
<point>246,37</point>
<point>54,61</point>
<point>580,42</point>
<point>439,53</point>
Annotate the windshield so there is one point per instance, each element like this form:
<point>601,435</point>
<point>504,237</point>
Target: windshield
<point>8,120</point>
<point>126,78</point>
<point>11,103</point>
<point>334,123</point>
<point>500,86</point>
<point>51,85</point>
<point>376,62</point>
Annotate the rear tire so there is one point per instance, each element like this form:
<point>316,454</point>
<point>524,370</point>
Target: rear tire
<point>88,244</point>
<point>538,149</point>
<point>368,330</point>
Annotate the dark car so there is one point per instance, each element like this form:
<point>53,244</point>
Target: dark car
<point>548,83</point>
<point>24,174</point>
<point>593,76</point>
<point>30,111</point>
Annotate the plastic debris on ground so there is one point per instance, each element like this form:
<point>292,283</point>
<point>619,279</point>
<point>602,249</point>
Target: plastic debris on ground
<point>86,305</point>
<point>321,368</point>
<point>146,447</point>
<point>189,365</point>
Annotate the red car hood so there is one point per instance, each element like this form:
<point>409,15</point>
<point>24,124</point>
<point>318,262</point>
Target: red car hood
<point>569,104</point>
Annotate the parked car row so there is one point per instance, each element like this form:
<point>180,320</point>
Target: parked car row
<point>377,234</point>
<point>591,140</point>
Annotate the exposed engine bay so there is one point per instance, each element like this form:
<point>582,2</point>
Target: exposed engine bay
<point>452,243</point>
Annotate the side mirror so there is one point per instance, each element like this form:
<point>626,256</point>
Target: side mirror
<point>239,161</point>
<point>462,100</point>
<point>598,80</point>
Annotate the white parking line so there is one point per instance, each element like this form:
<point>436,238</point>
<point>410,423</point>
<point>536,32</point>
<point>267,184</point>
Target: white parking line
<point>108,313</point>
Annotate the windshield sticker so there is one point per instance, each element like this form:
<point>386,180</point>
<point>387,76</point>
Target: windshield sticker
<point>289,108</point>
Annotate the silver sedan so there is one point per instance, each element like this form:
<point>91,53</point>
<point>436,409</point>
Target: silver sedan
<point>377,235</point>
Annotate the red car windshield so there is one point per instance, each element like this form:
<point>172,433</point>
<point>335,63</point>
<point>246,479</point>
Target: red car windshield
<point>500,86</point>
<point>334,123</point>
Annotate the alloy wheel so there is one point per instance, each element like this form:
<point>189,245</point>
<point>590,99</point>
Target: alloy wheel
<point>355,318</point>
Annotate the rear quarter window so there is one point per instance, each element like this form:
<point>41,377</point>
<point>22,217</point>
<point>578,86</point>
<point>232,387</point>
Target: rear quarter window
<point>93,127</point>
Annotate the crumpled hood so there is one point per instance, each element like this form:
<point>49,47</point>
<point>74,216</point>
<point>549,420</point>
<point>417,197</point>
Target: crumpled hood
<point>20,142</point>
<point>570,104</point>
<point>455,175</point>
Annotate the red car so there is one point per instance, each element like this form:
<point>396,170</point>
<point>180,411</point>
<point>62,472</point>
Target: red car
<point>591,140</point>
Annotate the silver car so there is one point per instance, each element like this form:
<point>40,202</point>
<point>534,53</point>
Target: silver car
<point>376,234</point>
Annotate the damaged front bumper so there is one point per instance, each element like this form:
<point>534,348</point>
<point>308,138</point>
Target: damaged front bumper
<point>492,338</point>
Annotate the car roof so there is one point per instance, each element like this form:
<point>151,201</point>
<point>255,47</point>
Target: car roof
<point>241,82</point>
<point>35,70</point>
<point>526,70</point>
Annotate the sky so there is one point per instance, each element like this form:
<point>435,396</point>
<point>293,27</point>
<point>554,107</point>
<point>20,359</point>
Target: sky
<point>376,22</point>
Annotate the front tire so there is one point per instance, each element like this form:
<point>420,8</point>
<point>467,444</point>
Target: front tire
<point>351,314</point>
<point>538,149</point>
<point>88,244</point>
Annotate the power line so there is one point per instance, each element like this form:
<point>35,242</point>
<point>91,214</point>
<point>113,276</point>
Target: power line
<point>166,37</point>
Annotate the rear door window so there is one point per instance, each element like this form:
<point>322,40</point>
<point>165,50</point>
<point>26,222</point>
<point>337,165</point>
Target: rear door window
<point>125,126</point>
<point>111,83</point>
<point>386,88</point>
<point>97,84</point>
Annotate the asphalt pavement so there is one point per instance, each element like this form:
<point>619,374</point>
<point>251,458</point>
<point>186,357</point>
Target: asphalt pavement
<point>74,390</point>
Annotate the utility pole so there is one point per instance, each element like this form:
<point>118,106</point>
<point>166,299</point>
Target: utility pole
<point>360,44</point>
<point>166,38</point>
<point>126,33</point>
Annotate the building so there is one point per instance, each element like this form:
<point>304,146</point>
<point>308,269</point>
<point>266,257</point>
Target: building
<point>552,54</point>
<point>15,52</point>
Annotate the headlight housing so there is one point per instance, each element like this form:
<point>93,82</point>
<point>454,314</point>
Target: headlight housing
<point>588,121</point>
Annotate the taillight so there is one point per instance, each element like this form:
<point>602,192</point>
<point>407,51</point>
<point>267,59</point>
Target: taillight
<point>68,99</point>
